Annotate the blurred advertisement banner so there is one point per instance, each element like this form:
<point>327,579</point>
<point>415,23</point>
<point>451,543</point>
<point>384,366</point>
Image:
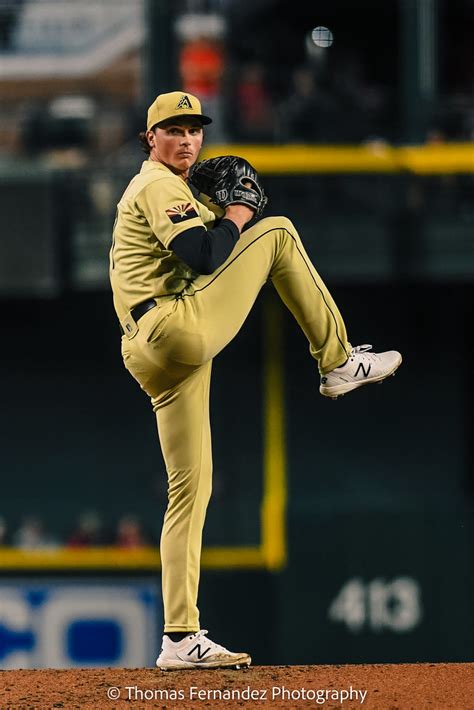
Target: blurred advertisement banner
<point>78,624</point>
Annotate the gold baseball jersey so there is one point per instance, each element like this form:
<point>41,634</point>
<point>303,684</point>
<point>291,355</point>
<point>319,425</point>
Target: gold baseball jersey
<point>156,206</point>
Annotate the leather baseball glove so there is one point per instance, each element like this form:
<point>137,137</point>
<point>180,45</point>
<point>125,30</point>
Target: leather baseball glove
<point>229,180</point>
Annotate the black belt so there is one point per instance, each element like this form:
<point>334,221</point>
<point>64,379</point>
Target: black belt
<point>140,310</point>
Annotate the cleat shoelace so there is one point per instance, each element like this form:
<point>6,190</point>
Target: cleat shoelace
<point>363,350</point>
<point>215,646</point>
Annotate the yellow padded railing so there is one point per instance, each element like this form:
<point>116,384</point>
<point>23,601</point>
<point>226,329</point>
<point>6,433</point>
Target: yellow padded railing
<point>376,157</point>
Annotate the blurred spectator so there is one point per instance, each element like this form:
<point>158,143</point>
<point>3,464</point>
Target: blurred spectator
<point>308,113</point>
<point>351,85</point>
<point>3,531</point>
<point>31,535</point>
<point>60,130</point>
<point>435,136</point>
<point>89,532</point>
<point>253,115</point>
<point>201,66</point>
<point>453,121</point>
<point>9,13</point>
<point>334,102</point>
<point>130,533</point>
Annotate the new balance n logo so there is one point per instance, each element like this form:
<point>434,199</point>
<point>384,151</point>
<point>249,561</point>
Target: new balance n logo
<point>361,367</point>
<point>184,102</point>
<point>180,213</point>
<point>200,654</point>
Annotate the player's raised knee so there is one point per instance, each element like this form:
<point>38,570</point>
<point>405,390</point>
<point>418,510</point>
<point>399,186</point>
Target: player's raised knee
<point>279,222</point>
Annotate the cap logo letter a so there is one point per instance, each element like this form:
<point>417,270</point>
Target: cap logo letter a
<point>184,103</point>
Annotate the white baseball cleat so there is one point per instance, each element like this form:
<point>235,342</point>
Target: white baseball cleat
<point>362,368</point>
<point>196,651</point>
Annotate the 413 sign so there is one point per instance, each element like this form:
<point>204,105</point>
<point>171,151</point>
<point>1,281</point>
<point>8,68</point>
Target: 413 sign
<point>378,605</point>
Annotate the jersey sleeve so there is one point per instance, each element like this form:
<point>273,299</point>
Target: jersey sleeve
<point>209,211</point>
<point>169,208</point>
<point>203,250</point>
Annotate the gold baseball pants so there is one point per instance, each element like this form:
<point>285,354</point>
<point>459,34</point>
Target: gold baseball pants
<point>171,358</point>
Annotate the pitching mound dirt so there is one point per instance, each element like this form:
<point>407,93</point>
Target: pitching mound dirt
<point>377,687</point>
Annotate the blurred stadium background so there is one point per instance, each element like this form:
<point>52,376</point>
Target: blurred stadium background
<point>338,532</point>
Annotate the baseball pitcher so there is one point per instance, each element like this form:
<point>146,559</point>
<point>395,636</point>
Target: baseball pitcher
<point>185,274</point>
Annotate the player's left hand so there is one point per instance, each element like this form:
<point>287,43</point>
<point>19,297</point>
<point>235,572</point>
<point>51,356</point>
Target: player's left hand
<point>230,180</point>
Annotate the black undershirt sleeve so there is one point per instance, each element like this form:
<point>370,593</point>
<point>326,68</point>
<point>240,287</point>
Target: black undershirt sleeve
<point>205,249</point>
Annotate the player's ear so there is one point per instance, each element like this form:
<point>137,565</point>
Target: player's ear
<point>151,136</point>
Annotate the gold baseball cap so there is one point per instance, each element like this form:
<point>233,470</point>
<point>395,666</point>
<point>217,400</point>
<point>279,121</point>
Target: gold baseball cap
<point>172,105</point>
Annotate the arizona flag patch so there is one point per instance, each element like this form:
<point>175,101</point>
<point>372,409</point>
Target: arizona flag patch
<point>180,213</point>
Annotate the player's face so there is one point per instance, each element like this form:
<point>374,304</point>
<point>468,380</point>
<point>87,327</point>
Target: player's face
<point>177,145</point>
